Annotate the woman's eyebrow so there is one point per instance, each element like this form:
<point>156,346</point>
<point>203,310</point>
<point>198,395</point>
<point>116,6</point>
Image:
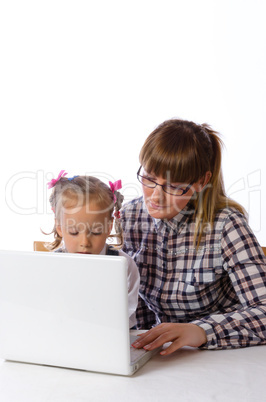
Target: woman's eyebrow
<point>149,174</point>
<point>153,176</point>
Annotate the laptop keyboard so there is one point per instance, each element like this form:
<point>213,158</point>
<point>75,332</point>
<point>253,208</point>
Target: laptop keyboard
<point>135,354</point>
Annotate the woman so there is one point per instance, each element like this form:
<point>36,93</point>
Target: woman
<point>202,269</point>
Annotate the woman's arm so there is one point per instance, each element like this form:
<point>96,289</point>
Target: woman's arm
<point>244,262</point>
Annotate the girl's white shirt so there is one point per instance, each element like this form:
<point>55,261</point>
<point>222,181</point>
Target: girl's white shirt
<point>133,285</point>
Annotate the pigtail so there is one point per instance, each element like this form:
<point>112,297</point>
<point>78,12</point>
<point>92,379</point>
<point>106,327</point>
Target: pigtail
<point>205,205</point>
<point>56,184</point>
<point>57,240</point>
<point>119,198</point>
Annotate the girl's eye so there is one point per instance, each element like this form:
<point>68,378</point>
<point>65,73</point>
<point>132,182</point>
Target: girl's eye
<point>73,233</point>
<point>96,233</point>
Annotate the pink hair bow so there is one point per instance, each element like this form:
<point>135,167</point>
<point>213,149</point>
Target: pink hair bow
<point>53,182</point>
<point>117,185</point>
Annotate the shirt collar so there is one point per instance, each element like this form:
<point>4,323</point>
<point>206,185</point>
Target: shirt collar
<point>176,222</point>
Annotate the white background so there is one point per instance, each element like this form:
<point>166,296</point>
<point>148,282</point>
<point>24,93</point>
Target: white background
<point>83,83</point>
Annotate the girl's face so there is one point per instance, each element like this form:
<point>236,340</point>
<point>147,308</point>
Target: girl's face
<point>161,205</point>
<point>84,229</point>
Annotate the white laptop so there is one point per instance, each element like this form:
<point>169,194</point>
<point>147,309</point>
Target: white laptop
<point>67,310</point>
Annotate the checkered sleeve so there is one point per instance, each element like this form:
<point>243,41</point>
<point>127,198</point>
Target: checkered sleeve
<point>145,317</point>
<point>245,263</point>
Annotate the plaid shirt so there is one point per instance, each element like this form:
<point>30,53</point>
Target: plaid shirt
<point>220,287</point>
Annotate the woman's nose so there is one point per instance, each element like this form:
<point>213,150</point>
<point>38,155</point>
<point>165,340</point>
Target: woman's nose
<point>157,193</point>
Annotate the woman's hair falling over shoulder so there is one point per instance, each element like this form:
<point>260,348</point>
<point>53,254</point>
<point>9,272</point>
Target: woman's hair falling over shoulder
<point>184,152</point>
<point>80,190</point>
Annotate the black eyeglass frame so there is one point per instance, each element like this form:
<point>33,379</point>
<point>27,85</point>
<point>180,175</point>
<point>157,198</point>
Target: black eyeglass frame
<point>184,191</point>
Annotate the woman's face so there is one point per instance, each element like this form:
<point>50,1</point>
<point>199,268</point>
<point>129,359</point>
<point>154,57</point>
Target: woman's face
<point>161,205</point>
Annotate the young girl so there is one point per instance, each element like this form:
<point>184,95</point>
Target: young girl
<point>84,207</point>
<point>203,273</point>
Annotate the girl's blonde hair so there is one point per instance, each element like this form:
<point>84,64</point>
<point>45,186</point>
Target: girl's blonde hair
<point>187,151</point>
<point>80,190</point>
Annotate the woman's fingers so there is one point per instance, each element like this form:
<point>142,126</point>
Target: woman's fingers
<point>155,337</point>
<point>172,348</point>
<point>144,339</point>
<point>179,334</point>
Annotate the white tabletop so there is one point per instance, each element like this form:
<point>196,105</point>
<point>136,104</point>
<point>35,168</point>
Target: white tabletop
<point>187,375</point>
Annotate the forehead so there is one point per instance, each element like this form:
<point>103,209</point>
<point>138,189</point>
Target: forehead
<point>84,213</point>
<point>167,178</point>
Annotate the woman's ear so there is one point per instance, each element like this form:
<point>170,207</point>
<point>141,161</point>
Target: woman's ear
<point>199,186</point>
<point>207,178</point>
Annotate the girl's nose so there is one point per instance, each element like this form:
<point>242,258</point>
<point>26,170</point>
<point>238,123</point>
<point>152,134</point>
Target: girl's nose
<point>85,240</point>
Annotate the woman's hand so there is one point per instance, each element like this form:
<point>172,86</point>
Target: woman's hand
<point>179,334</point>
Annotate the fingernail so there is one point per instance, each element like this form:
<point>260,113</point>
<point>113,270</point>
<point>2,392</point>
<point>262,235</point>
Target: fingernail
<point>135,344</point>
<point>162,353</point>
<point>147,347</point>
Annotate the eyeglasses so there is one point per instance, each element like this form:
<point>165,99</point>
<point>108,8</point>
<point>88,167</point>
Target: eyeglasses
<point>167,188</point>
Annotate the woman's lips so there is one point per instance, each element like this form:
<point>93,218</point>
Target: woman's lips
<point>155,206</point>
